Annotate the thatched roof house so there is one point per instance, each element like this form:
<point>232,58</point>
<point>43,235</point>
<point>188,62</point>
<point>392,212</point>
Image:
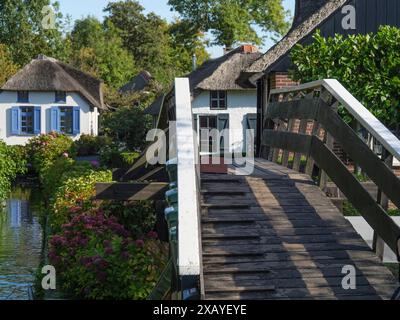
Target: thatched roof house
<point>48,74</point>
<point>138,83</point>
<point>224,73</point>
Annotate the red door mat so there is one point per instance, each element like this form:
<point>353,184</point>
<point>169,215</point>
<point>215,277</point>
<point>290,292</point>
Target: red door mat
<point>220,168</point>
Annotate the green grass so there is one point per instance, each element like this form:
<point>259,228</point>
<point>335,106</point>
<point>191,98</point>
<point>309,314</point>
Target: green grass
<point>350,211</point>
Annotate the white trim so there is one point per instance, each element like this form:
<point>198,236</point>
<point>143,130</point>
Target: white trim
<point>189,248</point>
<point>362,115</point>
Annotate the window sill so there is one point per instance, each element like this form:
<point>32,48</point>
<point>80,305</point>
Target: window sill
<point>219,109</point>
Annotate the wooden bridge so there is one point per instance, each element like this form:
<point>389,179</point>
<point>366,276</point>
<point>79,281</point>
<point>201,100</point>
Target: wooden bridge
<point>271,232</point>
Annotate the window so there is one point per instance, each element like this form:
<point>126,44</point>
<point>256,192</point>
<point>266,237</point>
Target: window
<point>218,100</point>
<point>61,96</point>
<point>23,96</point>
<point>66,121</point>
<point>207,123</point>
<point>25,120</point>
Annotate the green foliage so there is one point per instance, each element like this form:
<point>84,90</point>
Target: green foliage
<point>23,32</point>
<point>98,50</point>
<point>43,150</point>
<point>127,125</point>
<point>89,145</point>
<point>349,210</point>
<point>70,186</point>
<point>367,65</point>
<point>7,66</point>
<point>12,162</point>
<point>138,216</point>
<point>96,258</point>
<point>233,21</point>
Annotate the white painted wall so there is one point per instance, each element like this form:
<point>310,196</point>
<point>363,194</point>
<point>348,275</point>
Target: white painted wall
<point>88,115</point>
<point>240,103</point>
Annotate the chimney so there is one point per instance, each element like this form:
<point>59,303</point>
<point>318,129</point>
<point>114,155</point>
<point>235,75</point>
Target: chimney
<point>249,48</point>
<point>194,62</point>
<point>305,8</point>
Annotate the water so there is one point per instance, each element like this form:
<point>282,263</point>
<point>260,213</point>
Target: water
<point>20,245</point>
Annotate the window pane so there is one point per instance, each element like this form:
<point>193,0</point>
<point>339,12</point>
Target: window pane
<point>203,122</point>
<point>222,94</point>
<point>213,123</point>
<point>214,94</point>
<point>222,104</point>
<point>66,120</point>
<point>61,96</point>
<point>23,96</point>
<point>27,120</point>
<point>214,104</point>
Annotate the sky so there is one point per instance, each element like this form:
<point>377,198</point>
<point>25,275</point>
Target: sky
<point>81,8</point>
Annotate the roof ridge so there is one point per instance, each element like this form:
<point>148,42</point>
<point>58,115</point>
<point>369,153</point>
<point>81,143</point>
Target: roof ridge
<point>310,24</point>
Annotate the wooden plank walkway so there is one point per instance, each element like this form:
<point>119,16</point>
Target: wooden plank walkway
<point>275,235</point>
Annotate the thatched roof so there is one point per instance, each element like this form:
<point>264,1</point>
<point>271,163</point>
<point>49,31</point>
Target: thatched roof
<point>138,83</point>
<point>309,15</point>
<point>155,107</point>
<point>223,73</point>
<point>48,74</point>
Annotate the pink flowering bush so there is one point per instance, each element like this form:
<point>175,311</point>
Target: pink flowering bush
<point>46,148</point>
<point>96,258</point>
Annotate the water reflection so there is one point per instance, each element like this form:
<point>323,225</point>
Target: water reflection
<point>20,245</point>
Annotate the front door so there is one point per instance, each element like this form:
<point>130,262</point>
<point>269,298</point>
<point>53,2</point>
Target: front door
<point>206,125</point>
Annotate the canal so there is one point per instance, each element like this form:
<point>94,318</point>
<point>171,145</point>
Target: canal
<point>20,243</point>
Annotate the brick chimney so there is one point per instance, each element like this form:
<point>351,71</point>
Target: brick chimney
<point>249,48</point>
<point>305,8</point>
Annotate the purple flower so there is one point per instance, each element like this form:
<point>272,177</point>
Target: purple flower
<point>125,255</point>
<point>139,243</point>
<point>109,251</point>
<point>152,235</point>
<point>95,163</point>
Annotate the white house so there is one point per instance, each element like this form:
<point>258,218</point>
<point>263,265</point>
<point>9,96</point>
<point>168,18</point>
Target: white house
<point>221,99</point>
<point>47,95</point>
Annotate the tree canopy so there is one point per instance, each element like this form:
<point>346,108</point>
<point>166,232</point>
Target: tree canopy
<point>233,21</point>
<point>24,33</point>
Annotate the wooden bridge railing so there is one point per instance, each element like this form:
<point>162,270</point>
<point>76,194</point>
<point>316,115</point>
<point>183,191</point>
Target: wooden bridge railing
<point>301,126</point>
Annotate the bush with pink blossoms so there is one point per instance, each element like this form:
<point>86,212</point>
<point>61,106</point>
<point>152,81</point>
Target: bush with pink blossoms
<point>96,258</point>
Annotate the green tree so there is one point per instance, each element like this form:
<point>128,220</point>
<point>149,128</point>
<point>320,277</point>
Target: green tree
<point>98,50</point>
<point>233,21</point>
<point>367,65</point>
<point>185,42</point>
<point>145,36</point>
<point>24,33</point>
<point>7,66</point>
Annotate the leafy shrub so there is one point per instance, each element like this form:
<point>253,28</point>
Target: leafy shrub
<point>45,149</point>
<point>75,194</point>
<point>89,145</point>
<point>127,125</point>
<point>12,162</point>
<point>114,156</point>
<point>97,259</point>
<point>367,65</point>
<point>138,216</point>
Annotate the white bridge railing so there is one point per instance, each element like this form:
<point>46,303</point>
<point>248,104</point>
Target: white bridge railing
<point>188,172</point>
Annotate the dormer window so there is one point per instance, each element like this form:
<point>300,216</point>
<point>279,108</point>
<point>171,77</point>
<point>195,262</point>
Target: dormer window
<point>218,100</point>
<point>61,97</point>
<point>23,96</point>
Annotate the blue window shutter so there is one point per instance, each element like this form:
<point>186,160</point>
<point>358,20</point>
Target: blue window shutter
<point>55,119</point>
<point>37,120</point>
<point>15,120</point>
<point>76,118</point>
